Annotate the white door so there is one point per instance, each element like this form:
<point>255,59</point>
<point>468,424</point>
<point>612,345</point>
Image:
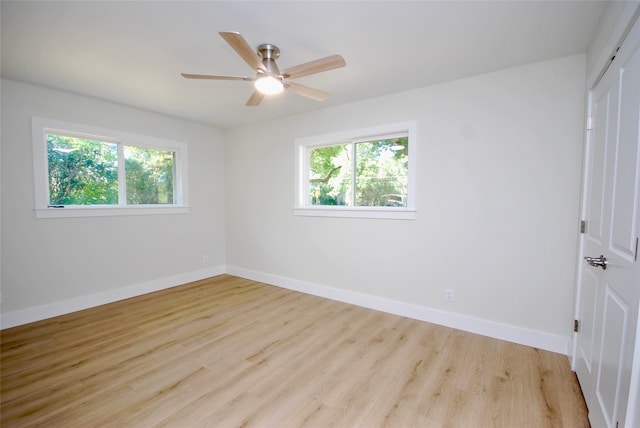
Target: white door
<point>608,294</point>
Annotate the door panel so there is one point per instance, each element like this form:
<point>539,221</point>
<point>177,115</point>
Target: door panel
<point>608,298</point>
<point>612,349</point>
<point>625,194</point>
<point>588,304</point>
<point>598,149</point>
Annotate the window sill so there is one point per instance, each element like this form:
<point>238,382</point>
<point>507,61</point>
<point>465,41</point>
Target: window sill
<point>357,212</point>
<point>68,212</point>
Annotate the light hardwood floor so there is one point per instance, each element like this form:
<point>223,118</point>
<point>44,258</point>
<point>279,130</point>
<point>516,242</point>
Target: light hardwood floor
<point>229,352</point>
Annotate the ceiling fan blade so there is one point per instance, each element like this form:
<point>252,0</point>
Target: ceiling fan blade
<point>306,91</point>
<point>255,98</point>
<point>240,45</point>
<point>317,66</point>
<point>209,77</point>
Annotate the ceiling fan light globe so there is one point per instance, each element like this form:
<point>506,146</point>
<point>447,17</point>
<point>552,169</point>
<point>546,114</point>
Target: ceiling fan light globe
<point>269,85</point>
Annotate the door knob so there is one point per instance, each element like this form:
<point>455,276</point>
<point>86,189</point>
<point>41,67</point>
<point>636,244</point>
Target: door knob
<point>597,261</point>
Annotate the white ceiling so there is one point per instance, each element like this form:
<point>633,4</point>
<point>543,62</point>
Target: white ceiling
<point>133,52</point>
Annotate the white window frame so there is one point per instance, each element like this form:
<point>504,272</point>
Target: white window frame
<point>42,126</point>
<point>303,147</point>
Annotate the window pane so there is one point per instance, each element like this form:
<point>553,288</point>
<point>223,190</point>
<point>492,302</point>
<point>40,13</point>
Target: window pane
<point>330,175</point>
<point>382,168</point>
<point>149,174</point>
<point>82,171</point>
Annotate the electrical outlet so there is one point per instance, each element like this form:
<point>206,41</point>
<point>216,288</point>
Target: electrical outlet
<point>448,295</point>
<point>205,259</point>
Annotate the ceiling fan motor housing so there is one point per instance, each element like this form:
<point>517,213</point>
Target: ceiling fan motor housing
<point>269,53</point>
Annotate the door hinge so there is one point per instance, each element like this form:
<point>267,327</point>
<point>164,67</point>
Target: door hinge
<point>636,256</point>
<point>587,123</point>
<point>576,326</point>
<point>583,226</point>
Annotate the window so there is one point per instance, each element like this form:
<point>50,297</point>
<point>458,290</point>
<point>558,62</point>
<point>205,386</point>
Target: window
<point>359,173</point>
<point>83,171</point>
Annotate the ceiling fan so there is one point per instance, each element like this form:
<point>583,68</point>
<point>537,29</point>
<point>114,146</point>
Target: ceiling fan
<point>269,79</point>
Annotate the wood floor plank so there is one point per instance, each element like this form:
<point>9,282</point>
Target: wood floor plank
<point>230,352</point>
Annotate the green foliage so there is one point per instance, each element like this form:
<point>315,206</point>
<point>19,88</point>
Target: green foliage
<point>82,171</point>
<point>323,159</point>
<point>149,175</point>
<point>85,172</point>
<point>330,175</point>
<point>381,173</point>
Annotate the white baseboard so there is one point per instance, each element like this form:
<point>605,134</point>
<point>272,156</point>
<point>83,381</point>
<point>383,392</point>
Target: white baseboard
<point>37,313</point>
<point>523,336</point>
<point>510,333</point>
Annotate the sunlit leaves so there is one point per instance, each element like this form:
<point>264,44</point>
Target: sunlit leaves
<point>330,175</point>
<point>84,171</point>
<point>323,159</point>
<point>149,175</point>
<point>381,173</point>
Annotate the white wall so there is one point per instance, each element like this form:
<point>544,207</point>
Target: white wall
<point>498,185</point>
<point>51,266</point>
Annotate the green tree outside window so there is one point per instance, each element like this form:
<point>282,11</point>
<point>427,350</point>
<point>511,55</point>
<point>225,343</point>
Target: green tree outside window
<point>380,179</point>
<point>84,171</point>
